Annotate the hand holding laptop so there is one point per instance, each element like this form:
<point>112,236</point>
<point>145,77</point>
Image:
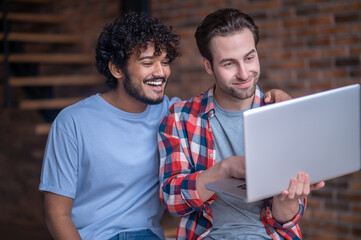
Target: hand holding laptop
<point>300,187</point>
<point>229,168</point>
<point>286,204</point>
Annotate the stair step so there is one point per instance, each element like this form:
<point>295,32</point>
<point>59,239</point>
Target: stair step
<point>41,104</point>
<point>35,18</point>
<point>41,38</point>
<point>69,80</point>
<point>49,58</point>
<point>30,1</point>
<point>42,129</point>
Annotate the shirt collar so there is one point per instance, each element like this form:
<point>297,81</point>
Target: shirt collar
<point>207,105</point>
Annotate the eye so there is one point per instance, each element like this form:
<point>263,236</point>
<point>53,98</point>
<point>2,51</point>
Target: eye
<point>228,64</point>
<point>249,58</point>
<point>147,64</point>
<point>166,62</point>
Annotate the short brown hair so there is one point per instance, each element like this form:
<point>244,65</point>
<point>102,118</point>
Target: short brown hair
<point>220,23</point>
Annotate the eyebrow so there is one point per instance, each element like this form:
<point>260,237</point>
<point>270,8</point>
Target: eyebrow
<point>230,59</point>
<point>145,57</point>
<point>151,58</point>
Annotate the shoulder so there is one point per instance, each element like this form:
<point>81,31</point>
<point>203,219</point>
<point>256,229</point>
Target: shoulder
<point>168,102</point>
<point>78,110</point>
<point>183,110</point>
<point>193,103</point>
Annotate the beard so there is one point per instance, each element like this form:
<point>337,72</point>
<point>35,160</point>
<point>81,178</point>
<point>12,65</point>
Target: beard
<point>136,91</point>
<point>244,93</point>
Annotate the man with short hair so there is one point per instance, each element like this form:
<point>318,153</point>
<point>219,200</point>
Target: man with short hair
<point>201,140</point>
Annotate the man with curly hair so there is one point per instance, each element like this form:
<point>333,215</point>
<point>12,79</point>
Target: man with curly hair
<point>100,170</point>
<point>101,164</point>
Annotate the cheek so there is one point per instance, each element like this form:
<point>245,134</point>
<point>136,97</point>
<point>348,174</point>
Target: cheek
<point>140,75</point>
<point>167,71</point>
<point>225,75</point>
<point>256,67</point>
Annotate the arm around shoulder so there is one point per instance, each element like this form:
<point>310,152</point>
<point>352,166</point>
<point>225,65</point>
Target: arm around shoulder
<point>58,217</point>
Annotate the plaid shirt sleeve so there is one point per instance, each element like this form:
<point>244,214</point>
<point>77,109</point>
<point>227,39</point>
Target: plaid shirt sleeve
<point>289,230</point>
<point>177,173</point>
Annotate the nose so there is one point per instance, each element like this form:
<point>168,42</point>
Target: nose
<point>242,72</point>
<point>158,70</point>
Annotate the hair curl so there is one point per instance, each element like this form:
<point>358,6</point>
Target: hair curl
<point>123,37</point>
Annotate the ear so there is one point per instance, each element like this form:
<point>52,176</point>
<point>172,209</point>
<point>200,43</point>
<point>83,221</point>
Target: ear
<point>207,66</point>
<point>115,70</point>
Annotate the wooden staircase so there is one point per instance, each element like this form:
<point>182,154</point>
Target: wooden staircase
<point>54,80</point>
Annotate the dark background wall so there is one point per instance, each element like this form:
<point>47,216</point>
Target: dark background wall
<point>305,47</point>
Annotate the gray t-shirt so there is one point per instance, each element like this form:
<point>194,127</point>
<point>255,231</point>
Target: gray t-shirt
<point>233,218</point>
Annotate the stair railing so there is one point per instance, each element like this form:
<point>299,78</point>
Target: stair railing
<point>6,55</point>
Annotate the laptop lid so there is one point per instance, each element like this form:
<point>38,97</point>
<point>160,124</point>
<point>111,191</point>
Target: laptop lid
<point>318,134</point>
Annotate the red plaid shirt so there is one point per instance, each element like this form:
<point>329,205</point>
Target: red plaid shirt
<point>186,149</point>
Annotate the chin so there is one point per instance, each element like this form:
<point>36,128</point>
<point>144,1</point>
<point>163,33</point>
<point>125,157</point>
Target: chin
<point>151,101</point>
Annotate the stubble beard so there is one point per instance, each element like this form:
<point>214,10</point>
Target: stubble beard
<point>137,93</point>
<point>244,93</point>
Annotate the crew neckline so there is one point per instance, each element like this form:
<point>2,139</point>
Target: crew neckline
<point>118,111</point>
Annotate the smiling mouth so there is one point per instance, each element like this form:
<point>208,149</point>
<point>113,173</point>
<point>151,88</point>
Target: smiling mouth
<point>155,82</point>
<point>246,83</point>
<point>243,83</point>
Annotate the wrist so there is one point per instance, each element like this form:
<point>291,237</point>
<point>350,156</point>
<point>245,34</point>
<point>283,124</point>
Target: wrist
<point>284,210</point>
<point>225,171</point>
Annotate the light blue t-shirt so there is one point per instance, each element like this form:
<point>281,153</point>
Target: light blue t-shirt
<point>107,161</point>
<point>233,218</point>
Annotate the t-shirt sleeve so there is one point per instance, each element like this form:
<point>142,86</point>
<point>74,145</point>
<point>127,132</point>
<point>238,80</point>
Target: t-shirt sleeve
<point>60,163</point>
<point>174,100</point>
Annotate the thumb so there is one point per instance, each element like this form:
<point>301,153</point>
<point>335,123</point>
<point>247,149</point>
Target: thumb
<point>267,97</point>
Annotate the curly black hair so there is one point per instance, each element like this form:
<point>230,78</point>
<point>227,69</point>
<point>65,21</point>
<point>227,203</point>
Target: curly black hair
<point>123,37</point>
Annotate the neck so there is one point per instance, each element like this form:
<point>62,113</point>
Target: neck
<point>121,100</point>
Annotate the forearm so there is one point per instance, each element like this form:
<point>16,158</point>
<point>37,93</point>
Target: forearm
<point>179,194</point>
<point>214,173</point>
<point>200,193</point>
<point>58,217</point>
<point>62,227</point>
<point>229,167</point>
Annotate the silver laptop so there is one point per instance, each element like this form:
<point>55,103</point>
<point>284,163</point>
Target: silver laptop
<point>318,134</point>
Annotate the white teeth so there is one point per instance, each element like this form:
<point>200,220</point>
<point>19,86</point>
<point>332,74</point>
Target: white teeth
<point>155,83</point>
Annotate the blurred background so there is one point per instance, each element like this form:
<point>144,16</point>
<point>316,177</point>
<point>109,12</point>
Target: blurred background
<point>47,63</point>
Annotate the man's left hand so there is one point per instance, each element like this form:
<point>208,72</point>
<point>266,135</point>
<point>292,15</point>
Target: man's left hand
<point>285,206</point>
<point>300,187</point>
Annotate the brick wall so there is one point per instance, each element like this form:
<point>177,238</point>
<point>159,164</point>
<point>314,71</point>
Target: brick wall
<point>306,46</point>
